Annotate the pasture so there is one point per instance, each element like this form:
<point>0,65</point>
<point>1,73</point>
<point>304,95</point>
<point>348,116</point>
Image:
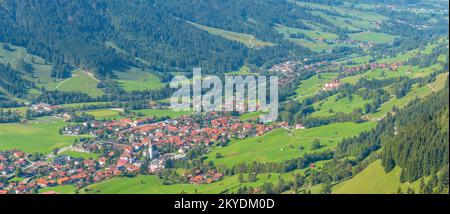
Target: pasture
<point>158,113</point>
<point>246,39</point>
<point>135,79</point>
<point>81,82</point>
<point>313,85</point>
<point>330,105</point>
<point>105,114</point>
<point>40,136</point>
<point>281,144</point>
<point>377,38</point>
<point>373,180</point>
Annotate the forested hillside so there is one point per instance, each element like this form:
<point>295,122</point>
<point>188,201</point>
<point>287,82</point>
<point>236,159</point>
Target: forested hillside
<point>157,32</point>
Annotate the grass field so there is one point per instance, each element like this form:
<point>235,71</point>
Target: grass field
<point>416,92</point>
<point>83,155</point>
<point>82,82</point>
<point>101,114</point>
<point>313,34</point>
<point>243,71</point>
<point>330,106</point>
<point>403,71</point>
<point>250,116</point>
<point>149,184</point>
<point>281,144</point>
<point>246,39</point>
<point>318,41</point>
<point>377,38</point>
<point>158,113</point>
<point>66,189</point>
<point>34,137</point>
<point>135,79</point>
<point>41,68</point>
<point>373,180</point>
<point>313,85</point>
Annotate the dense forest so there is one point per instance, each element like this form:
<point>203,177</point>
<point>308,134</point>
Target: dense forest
<point>76,33</point>
<point>420,144</point>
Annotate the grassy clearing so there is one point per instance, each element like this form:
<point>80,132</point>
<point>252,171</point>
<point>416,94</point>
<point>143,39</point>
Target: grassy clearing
<point>313,34</point>
<point>82,82</point>
<point>318,41</point>
<point>41,68</point>
<point>250,116</point>
<point>158,113</point>
<point>246,39</point>
<point>83,155</point>
<point>66,189</point>
<point>149,184</point>
<point>330,106</point>
<point>243,71</point>
<point>103,114</point>
<point>135,79</point>
<point>403,71</point>
<point>373,180</point>
<point>39,136</point>
<point>280,144</point>
<point>377,38</point>
<point>313,85</point>
<point>416,92</point>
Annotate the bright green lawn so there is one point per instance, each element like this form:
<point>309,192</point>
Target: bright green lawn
<point>330,106</point>
<point>135,79</point>
<point>415,92</point>
<point>377,38</point>
<point>313,85</point>
<point>101,114</point>
<point>281,144</point>
<point>83,155</point>
<point>33,137</point>
<point>82,82</point>
<point>246,39</point>
<point>66,189</point>
<point>149,184</point>
<point>373,180</point>
<point>158,113</point>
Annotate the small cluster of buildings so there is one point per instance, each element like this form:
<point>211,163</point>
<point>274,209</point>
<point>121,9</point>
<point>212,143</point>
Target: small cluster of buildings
<point>42,107</point>
<point>205,178</point>
<point>335,84</point>
<point>362,68</point>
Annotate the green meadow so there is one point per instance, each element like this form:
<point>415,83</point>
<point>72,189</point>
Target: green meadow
<point>83,155</point>
<point>373,180</point>
<point>317,41</point>
<point>103,114</point>
<point>246,39</point>
<point>66,189</point>
<point>281,144</point>
<point>149,184</point>
<point>313,85</point>
<point>403,71</point>
<point>82,82</point>
<point>416,92</point>
<point>135,79</point>
<point>377,38</point>
<point>243,71</point>
<point>313,34</point>
<point>23,136</point>
<point>158,113</point>
<point>250,116</point>
<point>41,68</point>
<point>330,106</point>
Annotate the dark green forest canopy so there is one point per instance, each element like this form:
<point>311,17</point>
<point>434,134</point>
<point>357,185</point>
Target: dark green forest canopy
<point>75,33</point>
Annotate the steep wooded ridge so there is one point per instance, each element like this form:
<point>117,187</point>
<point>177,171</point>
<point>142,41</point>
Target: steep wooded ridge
<point>420,144</point>
<point>75,32</point>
